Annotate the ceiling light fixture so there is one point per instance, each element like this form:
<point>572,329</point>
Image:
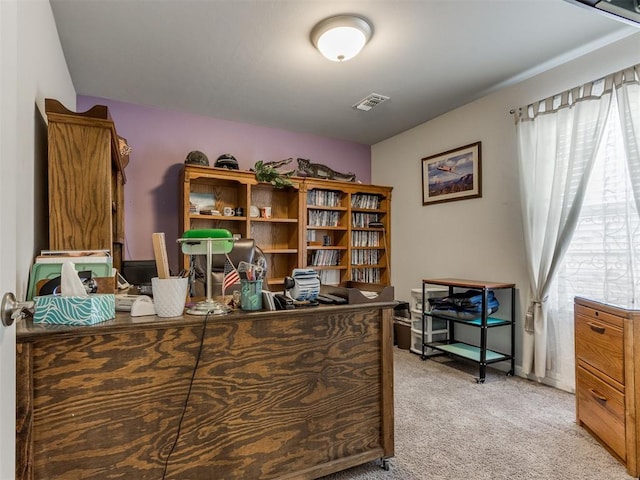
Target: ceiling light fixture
<point>341,37</point>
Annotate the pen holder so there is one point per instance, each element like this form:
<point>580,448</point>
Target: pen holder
<point>251,294</point>
<point>169,295</point>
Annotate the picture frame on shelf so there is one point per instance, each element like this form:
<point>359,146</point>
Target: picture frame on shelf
<point>452,175</point>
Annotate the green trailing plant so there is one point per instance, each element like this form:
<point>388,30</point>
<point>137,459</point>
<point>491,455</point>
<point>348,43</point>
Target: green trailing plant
<point>267,173</point>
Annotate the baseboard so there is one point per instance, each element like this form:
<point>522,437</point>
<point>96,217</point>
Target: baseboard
<point>506,366</point>
<point>551,382</point>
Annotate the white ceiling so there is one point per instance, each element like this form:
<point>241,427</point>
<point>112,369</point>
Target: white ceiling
<point>252,61</point>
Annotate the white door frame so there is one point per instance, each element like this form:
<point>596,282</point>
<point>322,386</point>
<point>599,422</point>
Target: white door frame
<point>8,224</point>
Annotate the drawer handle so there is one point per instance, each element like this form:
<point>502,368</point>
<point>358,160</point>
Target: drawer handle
<point>596,328</point>
<point>597,396</point>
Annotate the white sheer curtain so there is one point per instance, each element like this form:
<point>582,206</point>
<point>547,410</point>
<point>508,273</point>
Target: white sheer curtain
<point>603,261</point>
<point>628,95</point>
<point>557,143</point>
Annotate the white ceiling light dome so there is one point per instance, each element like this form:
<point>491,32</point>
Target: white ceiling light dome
<point>341,38</point>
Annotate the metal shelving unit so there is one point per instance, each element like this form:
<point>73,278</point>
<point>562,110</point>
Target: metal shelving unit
<point>476,353</point>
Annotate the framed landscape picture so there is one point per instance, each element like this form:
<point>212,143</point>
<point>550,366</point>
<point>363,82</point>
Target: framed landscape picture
<point>452,175</point>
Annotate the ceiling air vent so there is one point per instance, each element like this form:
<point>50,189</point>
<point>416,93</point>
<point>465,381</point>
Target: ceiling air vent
<point>370,101</point>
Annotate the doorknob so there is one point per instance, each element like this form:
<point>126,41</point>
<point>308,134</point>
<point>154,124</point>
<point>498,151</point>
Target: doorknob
<point>10,309</point>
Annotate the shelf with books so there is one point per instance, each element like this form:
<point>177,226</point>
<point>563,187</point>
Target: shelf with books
<point>313,216</point>
<point>339,215</point>
<point>369,236</point>
<point>366,275</point>
<point>324,257</point>
<point>321,196</point>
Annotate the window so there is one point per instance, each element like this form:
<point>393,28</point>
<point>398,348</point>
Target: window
<point>603,260</point>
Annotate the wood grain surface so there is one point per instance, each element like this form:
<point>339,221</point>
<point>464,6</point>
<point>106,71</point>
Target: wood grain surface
<point>607,347</point>
<point>295,396</point>
<point>79,187</point>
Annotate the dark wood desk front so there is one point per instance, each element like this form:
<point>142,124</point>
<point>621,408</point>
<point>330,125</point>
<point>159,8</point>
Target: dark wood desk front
<point>293,394</point>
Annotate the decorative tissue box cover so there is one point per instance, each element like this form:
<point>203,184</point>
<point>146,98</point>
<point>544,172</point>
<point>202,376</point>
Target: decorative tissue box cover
<point>89,310</point>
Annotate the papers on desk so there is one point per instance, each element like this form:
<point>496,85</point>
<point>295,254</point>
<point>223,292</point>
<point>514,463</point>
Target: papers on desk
<point>369,294</point>
<point>76,256</point>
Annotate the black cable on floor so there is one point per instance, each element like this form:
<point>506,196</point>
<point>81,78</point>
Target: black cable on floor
<point>186,401</point>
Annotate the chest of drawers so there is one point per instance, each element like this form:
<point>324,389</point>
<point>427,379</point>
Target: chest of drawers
<point>607,348</point>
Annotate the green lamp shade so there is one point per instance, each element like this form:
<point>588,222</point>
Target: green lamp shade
<point>194,242</point>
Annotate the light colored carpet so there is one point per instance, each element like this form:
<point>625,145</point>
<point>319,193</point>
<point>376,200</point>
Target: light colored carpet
<point>449,427</point>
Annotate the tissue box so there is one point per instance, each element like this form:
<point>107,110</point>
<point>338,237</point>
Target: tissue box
<point>43,272</point>
<point>89,310</point>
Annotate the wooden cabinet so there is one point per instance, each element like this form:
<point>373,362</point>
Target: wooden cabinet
<point>607,355</point>
<point>207,189</point>
<point>86,181</point>
<point>320,224</point>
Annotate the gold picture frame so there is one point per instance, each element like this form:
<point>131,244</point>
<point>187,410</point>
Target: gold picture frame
<point>452,175</point>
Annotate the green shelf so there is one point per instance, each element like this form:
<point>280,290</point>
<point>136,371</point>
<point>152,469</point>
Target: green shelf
<point>491,321</point>
<point>469,351</point>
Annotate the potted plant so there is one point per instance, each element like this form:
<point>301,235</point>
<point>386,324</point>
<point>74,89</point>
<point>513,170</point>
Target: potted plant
<point>266,172</point>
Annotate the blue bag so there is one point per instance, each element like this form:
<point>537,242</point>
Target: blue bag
<point>464,305</point>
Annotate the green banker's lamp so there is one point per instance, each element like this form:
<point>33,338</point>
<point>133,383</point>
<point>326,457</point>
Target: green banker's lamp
<point>209,242</point>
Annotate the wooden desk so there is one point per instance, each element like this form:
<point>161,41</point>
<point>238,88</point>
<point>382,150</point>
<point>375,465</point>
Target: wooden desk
<point>294,394</point>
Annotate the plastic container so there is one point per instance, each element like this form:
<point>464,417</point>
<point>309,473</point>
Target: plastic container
<point>416,340</point>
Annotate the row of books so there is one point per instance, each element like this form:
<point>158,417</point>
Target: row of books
<point>323,198</point>
<point>365,257</point>
<point>325,257</point>
<point>365,200</point>
<point>324,218</point>
<point>365,239</point>
<point>366,275</point>
<point>362,220</point>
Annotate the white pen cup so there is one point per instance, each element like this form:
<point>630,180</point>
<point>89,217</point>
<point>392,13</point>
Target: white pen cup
<point>169,295</point>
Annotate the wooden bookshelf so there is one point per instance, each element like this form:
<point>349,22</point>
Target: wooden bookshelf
<point>298,234</point>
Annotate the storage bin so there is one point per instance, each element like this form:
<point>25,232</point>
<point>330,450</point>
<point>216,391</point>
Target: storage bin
<point>432,292</point>
<point>402,310</point>
<point>416,340</point>
<point>402,333</point>
<point>433,324</point>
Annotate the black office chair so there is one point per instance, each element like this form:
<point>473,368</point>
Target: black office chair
<point>244,250</point>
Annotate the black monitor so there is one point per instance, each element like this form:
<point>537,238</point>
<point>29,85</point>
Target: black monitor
<point>139,272</point>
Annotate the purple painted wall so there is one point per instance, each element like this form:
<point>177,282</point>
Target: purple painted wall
<point>161,139</point>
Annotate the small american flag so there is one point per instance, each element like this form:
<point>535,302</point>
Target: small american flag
<point>231,275</point>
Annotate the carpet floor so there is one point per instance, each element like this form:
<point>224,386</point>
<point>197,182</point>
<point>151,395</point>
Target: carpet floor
<point>447,426</point>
